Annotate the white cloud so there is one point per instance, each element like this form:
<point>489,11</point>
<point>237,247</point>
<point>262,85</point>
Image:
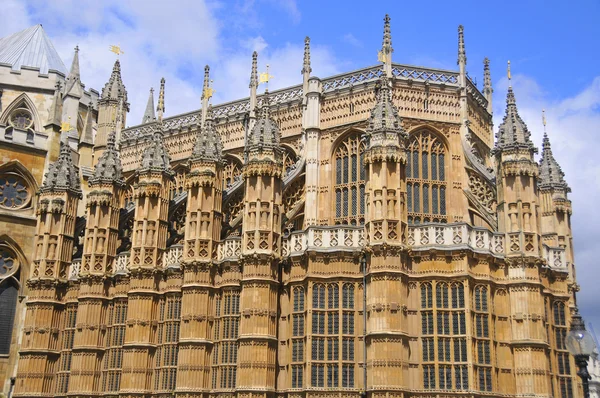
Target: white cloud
<point>573,124</point>
<point>352,40</point>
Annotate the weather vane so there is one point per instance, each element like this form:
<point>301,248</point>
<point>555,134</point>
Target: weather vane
<point>508,71</point>
<point>544,119</point>
<point>265,78</point>
<point>116,49</point>
<point>209,91</point>
<point>381,57</point>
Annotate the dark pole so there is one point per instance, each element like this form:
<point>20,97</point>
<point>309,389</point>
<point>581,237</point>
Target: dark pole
<point>363,264</point>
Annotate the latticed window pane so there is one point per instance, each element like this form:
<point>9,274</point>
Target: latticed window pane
<point>345,202</point>
<point>334,296</point>
<point>319,296</point>
<point>362,166</point>
<point>298,299</point>
<point>428,349</point>
<point>338,203</point>
<point>429,376</point>
<point>348,323</point>
<point>362,199</point>
<point>442,170</point>
<point>415,164</point>
<point>444,350</point>
<point>409,196</point>
<point>461,377</point>
<point>332,376</point>
<point>348,349</point>
<point>559,314</point>
<point>434,200</point>
<point>333,323</point>
<point>434,173</point>
<point>443,201</point>
<point>318,323</point>
<point>445,377</point>
<point>425,198</point>
<point>346,171</point>
<point>347,376</point>
<point>417,200</point>
<point>354,168</point>
<point>409,164</point>
<point>298,324</point>
<point>338,171</point>
<point>425,166</point>
<point>332,349</point>
<point>354,201</point>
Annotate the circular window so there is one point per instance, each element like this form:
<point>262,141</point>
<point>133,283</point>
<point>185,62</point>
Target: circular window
<point>21,119</point>
<point>8,263</point>
<point>13,192</point>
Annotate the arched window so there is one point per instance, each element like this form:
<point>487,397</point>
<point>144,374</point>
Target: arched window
<point>426,179</point>
<point>9,267</point>
<point>349,181</point>
<point>232,172</point>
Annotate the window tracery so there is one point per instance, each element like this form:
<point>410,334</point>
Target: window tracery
<point>14,191</point>
<point>443,327</point>
<point>426,178</point>
<point>232,172</point>
<point>349,181</point>
<point>21,119</point>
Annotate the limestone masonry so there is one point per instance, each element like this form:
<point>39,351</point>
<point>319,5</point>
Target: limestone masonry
<point>357,233</point>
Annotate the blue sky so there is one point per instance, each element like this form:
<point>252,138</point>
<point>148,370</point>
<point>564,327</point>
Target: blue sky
<point>553,48</point>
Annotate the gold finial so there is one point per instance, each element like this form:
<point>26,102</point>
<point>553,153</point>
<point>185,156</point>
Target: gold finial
<point>209,91</point>
<point>116,49</point>
<point>265,77</point>
<point>66,126</point>
<point>508,71</point>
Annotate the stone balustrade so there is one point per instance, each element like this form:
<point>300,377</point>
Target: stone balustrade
<point>457,236</point>
<point>74,269</point>
<point>172,257</point>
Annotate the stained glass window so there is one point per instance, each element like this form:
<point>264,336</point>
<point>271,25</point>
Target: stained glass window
<point>426,178</point>
<point>349,181</point>
<point>14,193</point>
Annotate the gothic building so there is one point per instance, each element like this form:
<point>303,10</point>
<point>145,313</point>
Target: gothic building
<point>361,233</point>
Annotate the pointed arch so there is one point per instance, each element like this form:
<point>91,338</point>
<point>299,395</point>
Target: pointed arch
<point>17,186</point>
<point>18,270</point>
<point>232,170</point>
<point>22,102</point>
<point>426,175</point>
<point>349,178</point>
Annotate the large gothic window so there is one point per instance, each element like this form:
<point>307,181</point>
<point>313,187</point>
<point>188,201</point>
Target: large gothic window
<point>349,181</point>
<point>426,179</point>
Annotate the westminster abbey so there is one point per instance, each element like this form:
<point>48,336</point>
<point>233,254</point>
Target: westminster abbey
<point>356,235</point>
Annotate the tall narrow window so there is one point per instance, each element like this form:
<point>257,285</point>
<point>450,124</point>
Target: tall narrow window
<point>349,180</point>
<point>482,338</point>
<point>563,360</point>
<point>297,366</point>
<point>8,305</point>
<point>225,350</point>
<point>167,353</point>
<point>426,182</point>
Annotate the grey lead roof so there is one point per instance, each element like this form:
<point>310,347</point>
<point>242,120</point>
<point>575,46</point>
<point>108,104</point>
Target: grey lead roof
<point>31,48</point>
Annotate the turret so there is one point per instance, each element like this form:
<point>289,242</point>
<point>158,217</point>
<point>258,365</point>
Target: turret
<point>261,246</point>
<point>57,211</point>
<point>385,226</point>
<point>555,208</point>
<point>71,97</point>
<point>518,220</point>
<point>306,69</point>
<point>97,264</point>
<point>253,88</point>
<point>113,98</point>
<point>202,233</point>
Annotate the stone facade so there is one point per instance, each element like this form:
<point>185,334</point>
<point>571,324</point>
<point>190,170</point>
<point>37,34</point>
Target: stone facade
<point>359,233</point>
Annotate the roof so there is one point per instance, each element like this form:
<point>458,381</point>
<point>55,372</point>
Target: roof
<point>31,48</point>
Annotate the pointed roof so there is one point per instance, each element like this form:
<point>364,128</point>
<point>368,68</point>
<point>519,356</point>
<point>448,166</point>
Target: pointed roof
<point>62,175</point>
<point>462,53</point>
<point>265,133</point>
<point>114,89</point>
<point>551,175</point>
<point>513,132</point>
<point>208,145</point>
<point>109,167</point>
<point>31,48</point>
<point>387,34</point>
<point>74,79</point>
<point>155,156</point>
<point>88,132</point>
<point>487,77</point>
<point>254,72</point>
<point>160,107</point>
<point>149,115</point>
<point>306,61</point>
<point>384,115</point>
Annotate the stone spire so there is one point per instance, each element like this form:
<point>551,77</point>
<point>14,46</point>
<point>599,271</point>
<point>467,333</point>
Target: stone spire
<point>306,69</point>
<point>208,147</point>
<point>462,53</point>
<point>88,133</point>
<point>306,62</point>
<point>384,115</point>
<point>160,108</point>
<point>55,111</point>
<point>155,156</point>
<point>513,132</point>
<point>108,168</point>
<point>487,83</point>
<point>62,175</point>
<point>149,115</point>
<point>73,86</point>
<point>386,47</point>
<point>254,72</point>
<point>551,174</point>
<point>206,94</point>
<point>114,88</point>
